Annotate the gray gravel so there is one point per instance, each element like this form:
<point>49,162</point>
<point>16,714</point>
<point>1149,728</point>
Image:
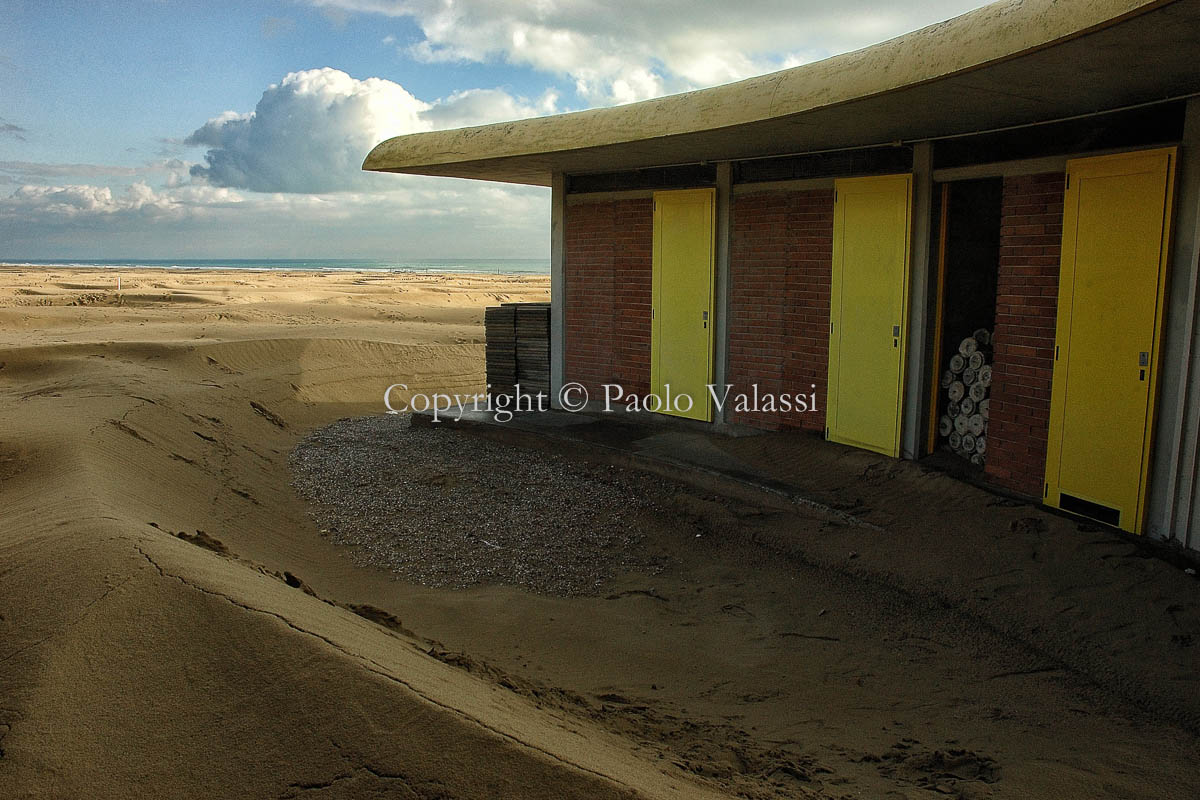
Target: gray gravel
<point>443,508</point>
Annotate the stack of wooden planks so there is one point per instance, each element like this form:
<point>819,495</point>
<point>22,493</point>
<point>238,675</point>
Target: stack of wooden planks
<point>518,347</point>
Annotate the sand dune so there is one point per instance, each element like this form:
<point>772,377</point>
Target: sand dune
<point>134,663</point>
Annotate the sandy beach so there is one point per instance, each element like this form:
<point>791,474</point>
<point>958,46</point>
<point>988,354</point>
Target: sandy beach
<point>177,620</point>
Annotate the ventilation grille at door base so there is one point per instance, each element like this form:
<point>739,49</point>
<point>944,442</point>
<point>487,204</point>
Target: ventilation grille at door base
<point>1086,508</point>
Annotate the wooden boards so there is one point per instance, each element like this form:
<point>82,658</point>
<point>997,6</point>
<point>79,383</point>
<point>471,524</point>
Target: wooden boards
<point>518,347</point>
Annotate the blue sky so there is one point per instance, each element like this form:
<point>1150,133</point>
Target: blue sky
<point>160,129</point>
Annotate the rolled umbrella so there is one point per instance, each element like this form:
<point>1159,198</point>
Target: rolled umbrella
<point>976,424</point>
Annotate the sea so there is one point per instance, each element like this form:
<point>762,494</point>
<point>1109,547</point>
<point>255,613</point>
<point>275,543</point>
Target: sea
<point>497,266</point>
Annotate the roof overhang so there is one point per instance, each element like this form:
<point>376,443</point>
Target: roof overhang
<point>1009,63</point>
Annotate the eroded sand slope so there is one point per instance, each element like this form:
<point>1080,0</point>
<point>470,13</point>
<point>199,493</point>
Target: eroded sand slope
<point>136,664</point>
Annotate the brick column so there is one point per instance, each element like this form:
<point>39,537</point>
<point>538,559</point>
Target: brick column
<point>1026,308</point>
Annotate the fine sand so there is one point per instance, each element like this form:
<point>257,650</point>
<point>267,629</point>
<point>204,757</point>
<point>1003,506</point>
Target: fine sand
<point>174,622</point>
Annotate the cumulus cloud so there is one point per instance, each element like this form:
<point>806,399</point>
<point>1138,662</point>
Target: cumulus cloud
<point>310,132</point>
<point>626,50</point>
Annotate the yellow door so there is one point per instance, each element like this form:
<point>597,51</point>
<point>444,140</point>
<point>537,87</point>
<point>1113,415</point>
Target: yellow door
<point>681,339</point>
<point>1110,303</point>
<point>868,312</point>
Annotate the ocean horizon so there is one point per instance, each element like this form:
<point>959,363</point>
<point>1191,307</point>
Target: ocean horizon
<point>497,266</point>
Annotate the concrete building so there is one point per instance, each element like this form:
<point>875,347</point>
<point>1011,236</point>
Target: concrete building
<point>1031,169</point>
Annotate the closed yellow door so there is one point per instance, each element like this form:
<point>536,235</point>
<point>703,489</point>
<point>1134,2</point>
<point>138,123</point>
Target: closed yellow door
<point>869,309</point>
<point>681,339</point>
<point>1110,300</point>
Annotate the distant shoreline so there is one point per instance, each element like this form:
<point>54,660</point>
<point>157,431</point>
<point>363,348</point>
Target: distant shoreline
<point>461,266</point>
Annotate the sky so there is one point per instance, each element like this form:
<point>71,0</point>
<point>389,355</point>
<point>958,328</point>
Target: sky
<point>163,129</point>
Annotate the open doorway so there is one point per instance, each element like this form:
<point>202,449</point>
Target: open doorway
<point>967,262</point>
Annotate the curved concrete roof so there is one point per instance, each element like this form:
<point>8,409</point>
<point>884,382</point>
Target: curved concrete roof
<point>1008,63</point>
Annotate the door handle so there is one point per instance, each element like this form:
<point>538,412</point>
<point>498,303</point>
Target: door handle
<point>704,316</point>
<point>1143,362</point>
<point>895,336</point>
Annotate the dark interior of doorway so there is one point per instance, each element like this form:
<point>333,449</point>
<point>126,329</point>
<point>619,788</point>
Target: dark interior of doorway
<point>967,259</point>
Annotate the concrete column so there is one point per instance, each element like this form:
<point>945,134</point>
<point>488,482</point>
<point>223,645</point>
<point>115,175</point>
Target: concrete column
<point>558,288</point>
<point>721,281</point>
<point>1172,509</point>
<point>915,383</point>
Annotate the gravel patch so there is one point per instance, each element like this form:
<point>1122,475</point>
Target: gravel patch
<point>443,508</point>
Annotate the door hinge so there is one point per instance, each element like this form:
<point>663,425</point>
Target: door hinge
<point>652,313</point>
<point>1056,352</point>
<point>1068,186</point>
<point>1046,491</point>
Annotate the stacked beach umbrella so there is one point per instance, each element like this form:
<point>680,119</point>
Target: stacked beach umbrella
<point>967,382</point>
<point>518,347</point>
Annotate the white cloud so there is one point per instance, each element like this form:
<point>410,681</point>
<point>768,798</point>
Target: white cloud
<point>40,172</point>
<point>421,218</point>
<point>311,131</point>
<point>74,202</point>
<point>308,133</point>
<point>625,50</point>
<point>475,106</point>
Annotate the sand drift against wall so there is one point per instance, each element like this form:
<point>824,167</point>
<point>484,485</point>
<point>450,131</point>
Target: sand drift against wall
<point>445,509</point>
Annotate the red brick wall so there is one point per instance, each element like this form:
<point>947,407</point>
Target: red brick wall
<point>1026,301</point>
<point>781,267</point>
<point>608,263</point>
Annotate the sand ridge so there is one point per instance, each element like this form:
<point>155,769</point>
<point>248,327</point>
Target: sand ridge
<point>137,664</point>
